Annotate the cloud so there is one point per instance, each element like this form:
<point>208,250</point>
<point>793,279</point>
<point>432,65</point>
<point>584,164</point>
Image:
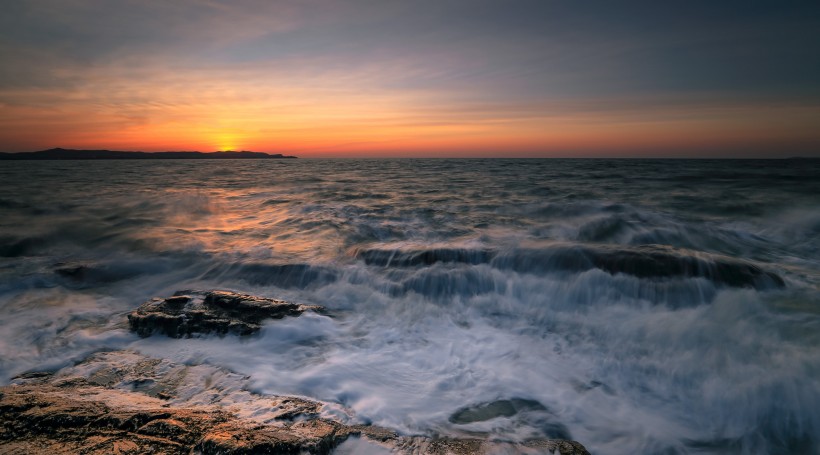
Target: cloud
<point>379,72</point>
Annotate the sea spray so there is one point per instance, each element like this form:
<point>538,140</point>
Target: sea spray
<point>637,306</point>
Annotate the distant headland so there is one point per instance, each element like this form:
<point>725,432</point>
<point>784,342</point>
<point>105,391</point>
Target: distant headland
<point>69,154</point>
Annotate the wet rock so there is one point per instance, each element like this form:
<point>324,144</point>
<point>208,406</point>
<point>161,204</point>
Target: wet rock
<point>657,262</point>
<point>560,446</point>
<point>411,258</point>
<point>491,410</point>
<point>95,408</point>
<point>190,312</point>
<point>472,446</point>
<point>84,274</point>
<point>524,410</point>
<point>34,375</point>
<point>73,414</point>
<point>456,446</point>
<point>289,408</point>
<point>71,270</point>
<point>96,420</point>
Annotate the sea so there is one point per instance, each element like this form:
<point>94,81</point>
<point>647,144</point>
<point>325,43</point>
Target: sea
<point>637,306</point>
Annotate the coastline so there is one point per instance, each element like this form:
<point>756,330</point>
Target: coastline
<point>69,154</point>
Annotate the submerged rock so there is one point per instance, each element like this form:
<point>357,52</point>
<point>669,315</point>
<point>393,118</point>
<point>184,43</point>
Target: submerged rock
<point>79,274</point>
<point>189,312</point>
<point>99,407</point>
<point>658,262</point>
<point>493,409</point>
<point>525,410</point>
<point>411,258</point>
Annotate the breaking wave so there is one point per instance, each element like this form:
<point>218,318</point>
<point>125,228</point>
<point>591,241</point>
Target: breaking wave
<point>635,306</point>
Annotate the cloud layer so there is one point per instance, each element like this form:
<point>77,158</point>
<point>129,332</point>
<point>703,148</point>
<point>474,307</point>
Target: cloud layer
<point>426,78</point>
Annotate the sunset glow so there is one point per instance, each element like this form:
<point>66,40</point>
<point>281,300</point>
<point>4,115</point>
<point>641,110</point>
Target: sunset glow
<point>409,227</point>
<point>326,79</point>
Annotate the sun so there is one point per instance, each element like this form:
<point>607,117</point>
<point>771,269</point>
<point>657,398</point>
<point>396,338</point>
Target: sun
<point>227,146</point>
<point>228,142</point>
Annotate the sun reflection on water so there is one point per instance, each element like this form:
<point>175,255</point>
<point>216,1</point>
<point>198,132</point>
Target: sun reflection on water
<point>242,223</point>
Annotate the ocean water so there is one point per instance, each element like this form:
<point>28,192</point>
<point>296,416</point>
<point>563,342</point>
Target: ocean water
<point>637,306</point>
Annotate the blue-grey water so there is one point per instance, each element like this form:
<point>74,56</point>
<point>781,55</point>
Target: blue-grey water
<point>649,306</point>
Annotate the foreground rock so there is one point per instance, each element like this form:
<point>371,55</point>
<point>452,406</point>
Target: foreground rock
<point>82,418</point>
<point>190,312</point>
<point>124,403</point>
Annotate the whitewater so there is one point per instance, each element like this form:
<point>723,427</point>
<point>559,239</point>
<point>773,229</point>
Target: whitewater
<point>636,306</point>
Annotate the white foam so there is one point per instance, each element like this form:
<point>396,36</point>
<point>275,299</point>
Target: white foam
<point>626,365</point>
<point>358,446</point>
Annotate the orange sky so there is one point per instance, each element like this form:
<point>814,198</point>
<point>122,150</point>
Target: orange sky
<point>283,78</point>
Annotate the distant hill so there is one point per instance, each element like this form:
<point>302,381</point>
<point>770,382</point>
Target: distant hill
<point>69,154</point>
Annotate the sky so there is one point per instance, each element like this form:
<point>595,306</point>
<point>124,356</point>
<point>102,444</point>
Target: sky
<point>426,78</point>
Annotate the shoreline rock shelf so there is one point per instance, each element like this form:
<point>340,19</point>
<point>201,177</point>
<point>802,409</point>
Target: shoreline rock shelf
<point>83,418</point>
<point>125,403</point>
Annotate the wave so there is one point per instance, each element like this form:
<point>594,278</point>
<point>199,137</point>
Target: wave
<point>636,306</point>
<point>299,276</point>
<point>644,261</point>
<point>408,258</point>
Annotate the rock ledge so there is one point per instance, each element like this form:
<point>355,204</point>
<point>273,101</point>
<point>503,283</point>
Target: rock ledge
<point>120,402</point>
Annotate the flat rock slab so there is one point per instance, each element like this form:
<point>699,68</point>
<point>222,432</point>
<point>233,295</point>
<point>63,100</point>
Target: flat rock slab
<point>109,404</point>
<point>191,312</point>
<point>94,420</point>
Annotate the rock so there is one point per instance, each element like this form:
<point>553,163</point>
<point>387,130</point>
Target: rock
<point>189,312</point>
<point>289,408</point>
<point>34,375</point>
<point>524,410</point>
<point>491,410</point>
<point>81,274</point>
<point>95,420</point>
<point>97,407</point>
<point>75,271</point>
<point>102,405</point>
<point>656,262</point>
<point>472,446</point>
<point>411,258</point>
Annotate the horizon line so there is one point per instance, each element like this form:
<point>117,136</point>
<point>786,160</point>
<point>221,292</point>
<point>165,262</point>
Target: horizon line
<point>371,157</point>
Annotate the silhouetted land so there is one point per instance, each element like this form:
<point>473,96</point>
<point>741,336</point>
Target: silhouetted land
<point>69,154</point>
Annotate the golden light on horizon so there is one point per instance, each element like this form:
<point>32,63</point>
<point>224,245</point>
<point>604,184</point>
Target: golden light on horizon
<point>324,82</point>
<point>227,148</point>
<point>228,141</point>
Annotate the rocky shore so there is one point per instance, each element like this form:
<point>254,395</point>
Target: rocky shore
<point>122,402</point>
